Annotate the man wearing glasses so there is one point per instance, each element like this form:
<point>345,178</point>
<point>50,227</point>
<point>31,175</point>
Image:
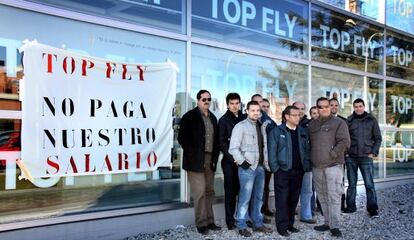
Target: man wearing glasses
<point>329,139</point>
<point>288,160</point>
<point>198,137</point>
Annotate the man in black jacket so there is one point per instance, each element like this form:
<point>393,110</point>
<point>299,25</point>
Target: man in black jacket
<point>365,144</point>
<point>230,168</point>
<point>198,136</point>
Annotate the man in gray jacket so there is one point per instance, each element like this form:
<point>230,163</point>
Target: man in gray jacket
<point>329,139</point>
<point>248,146</point>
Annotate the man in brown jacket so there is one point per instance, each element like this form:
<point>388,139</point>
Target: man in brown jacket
<point>329,139</point>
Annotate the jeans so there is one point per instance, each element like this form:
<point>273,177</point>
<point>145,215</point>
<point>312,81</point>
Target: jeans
<point>306,196</point>
<point>329,188</point>
<point>251,189</point>
<point>366,167</point>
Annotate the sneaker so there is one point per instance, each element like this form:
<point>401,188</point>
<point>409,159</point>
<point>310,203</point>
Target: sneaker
<point>267,220</point>
<point>336,232</point>
<point>321,228</point>
<point>231,226</point>
<point>293,229</point>
<point>310,221</point>
<point>245,233</point>
<point>202,230</point>
<point>213,227</point>
<point>263,229</point>
<point>249,223</point>
<point>374,214</point>
<point>348,210</point>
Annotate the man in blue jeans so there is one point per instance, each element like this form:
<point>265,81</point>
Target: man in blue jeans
<point>248,146</point>
<point>365,144</point>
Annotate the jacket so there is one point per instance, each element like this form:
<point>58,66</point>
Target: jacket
<point>244,145</point>
<point>329,140</point>
<point>365,135</point>
<point>225,127</point>
<point>279,143</point>
<point>191,137</point>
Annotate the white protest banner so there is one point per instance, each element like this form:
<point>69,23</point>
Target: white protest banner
<point>83,115</point>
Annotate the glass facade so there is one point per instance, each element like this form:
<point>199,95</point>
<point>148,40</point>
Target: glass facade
<point>287,51</point>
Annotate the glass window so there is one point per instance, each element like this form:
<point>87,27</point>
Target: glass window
<point>276,26</point>
<point>400,14</point>
<point>342,86</point>
<point>400,52</point>
<point>375,99</point>
<point>162,14</point>
<point>70,195</point>
<point>371,9</point>
<point>399,104</point>
<point>340,40</point>
<point>399,153</point>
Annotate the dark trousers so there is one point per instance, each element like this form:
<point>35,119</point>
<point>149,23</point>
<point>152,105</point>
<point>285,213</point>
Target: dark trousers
<point>231,189</point>
<point>287,191</point>
<point>266,191</point>
<point>366,166</point>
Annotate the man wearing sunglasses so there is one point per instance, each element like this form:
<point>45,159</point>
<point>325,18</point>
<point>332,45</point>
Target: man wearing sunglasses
<point>329,138</point>
<point>198,136</point>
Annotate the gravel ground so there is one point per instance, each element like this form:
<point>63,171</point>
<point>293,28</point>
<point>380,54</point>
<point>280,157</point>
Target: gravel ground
<point>395,221</point>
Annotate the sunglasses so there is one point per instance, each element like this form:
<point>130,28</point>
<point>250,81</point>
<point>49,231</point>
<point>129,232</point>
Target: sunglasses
<point>324,106</point>
<point>206,99</point>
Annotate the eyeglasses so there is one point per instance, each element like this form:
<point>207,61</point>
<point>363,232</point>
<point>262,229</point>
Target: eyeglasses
<point>206,99</point>
<point>323,106</point>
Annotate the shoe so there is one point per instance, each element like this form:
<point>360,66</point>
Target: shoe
<point>249,223</point>
<point>284,234</point>
<point>231,226</point>
<point>374,214</point>
<point>336,232</point>
<point>245,233</point>
<point>267,220</point>
<point>321,228</point>
<point>310,221</point>
<point>293,230</point>
<point>348,210</point>
<point>213,227</point>
<point>202,230</point>
<point>269,213</point>
<point>263,229</point>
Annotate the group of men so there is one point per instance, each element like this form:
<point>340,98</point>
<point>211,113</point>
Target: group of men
<point>302,154</point>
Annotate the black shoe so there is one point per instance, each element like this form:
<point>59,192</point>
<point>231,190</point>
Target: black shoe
<point>249,223</point>
<point>245,233</point>
<point>267,220</point>
<point>310,221</point>
<point>284,234</point>
<point>349,210</point>
<point>373,214</point>
<point>293,230</point>
<point>321,228</point>
<point>202,230</point>
<point>213,227</point>
<point>269,213</point>
<point>263,229</point>
<point>336,232</point>
<point>231,226</point>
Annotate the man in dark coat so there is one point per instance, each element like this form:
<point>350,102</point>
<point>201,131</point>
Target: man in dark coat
<point>226,124</point>
<point>198,136</point>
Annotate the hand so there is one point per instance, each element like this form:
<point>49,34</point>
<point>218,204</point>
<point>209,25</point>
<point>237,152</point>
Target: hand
<point>245,165</point>
<point>370,155</point>
<point>213,166</point>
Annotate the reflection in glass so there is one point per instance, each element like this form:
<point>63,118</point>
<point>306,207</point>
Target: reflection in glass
<point>371,9</point>
<point>342,86</point>
<point>277,26</point>
<point>399,103</point>
<point>342,41</point>
<point>375,99</point>
<point>399,153</point>
<point>400,56</point>
<point>400,14</point>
